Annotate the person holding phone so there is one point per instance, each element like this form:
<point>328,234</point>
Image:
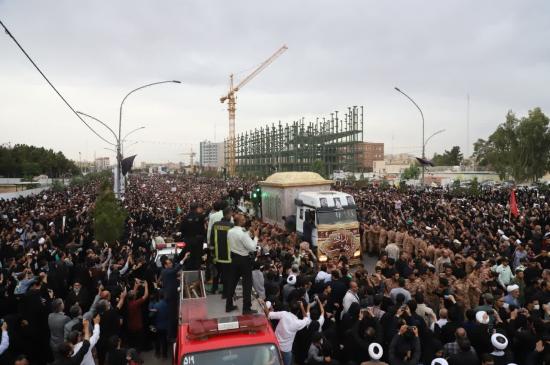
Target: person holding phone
<point>135,316</point>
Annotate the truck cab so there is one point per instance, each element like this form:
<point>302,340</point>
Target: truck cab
<point>207,335</point>
<point>334,216</point>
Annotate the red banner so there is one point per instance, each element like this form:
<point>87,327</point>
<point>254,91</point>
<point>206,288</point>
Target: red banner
<point>513,204</point>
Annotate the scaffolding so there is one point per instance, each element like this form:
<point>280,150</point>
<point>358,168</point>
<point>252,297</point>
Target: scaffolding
<point>297,146</point>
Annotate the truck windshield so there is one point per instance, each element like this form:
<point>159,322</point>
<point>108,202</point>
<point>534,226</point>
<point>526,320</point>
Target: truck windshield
<point>255,355</point>
<point>337,216</point>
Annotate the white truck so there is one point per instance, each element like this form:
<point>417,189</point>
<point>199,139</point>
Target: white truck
<point>307,194</point>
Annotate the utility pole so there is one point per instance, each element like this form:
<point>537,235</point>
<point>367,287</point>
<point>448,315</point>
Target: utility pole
<point>468,125</point>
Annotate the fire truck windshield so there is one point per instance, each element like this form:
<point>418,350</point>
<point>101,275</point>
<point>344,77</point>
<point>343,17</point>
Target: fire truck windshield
<point>255,355</point>
<point>336,216</point>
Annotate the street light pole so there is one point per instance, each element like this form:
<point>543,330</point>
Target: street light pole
<point>433,135</point>
<point>102,123</point>
<point>132,131</point>
<point>124,139</point>
<point>423,140</point>
<point>119,144</point>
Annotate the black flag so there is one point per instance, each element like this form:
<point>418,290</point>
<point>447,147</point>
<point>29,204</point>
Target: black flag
<point>424,162</point>
<point>127,164</point>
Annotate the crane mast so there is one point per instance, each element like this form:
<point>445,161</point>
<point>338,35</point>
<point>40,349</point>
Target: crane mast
<point>232,102</point>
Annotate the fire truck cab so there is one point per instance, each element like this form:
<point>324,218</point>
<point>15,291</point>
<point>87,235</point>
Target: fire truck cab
<point>207,335</point>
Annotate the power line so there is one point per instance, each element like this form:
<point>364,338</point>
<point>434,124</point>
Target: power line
<point>166,143</point>
<point>49,82</point>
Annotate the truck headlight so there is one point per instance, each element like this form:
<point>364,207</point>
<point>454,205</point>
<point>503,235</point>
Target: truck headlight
<point>357,253</point>
<point>323,258</point>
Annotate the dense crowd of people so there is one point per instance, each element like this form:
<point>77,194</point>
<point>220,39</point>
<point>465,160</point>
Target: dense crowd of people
<point>458,279</point>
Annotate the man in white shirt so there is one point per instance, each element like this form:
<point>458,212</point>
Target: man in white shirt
<point>442,321</point>
<point>424,311</point>
<point>215,216</point>
<point>400,290</point>
<point>350,297</point>
<point>77,337</point>
<point>241,246</point>
<point>504,273</point>
<point>323,275</point>
<point>287,327</point>
<point>392,250</point>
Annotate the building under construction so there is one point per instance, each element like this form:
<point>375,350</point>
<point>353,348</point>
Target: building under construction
<point>298,145</point>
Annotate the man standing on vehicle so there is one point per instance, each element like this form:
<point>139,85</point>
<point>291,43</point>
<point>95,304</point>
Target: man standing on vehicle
<point>241,247</point>
<point>193,230</point>
<point>222,253</point>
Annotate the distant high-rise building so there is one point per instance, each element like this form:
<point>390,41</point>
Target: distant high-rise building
<point>370,152</point>
<point>212,154</point>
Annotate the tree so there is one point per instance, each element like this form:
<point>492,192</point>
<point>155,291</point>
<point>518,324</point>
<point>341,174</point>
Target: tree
<point>449,158</point>
<point>533,152</point>
<point>456,184</point>
<point>411,172</point>
<point>518,148</point>
<point>474,187</point>
<point>318,166</point>
<point>109,216</point>
<point>28,161</point>
<point>57,186</point>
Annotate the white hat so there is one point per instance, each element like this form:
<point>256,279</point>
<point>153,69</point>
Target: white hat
<point>499,341</point>
<point>41,240</point>
<point>457,241</point>
<point>482,317</point>
<point>51,224</point>
<point>375,351</point>
<point>439,361</point>
<point>291,279</point>
<point>500,232</point>
<point>428,228</point>
<point>511,288</point>
<point>518,241</point>
<point>504,237</point>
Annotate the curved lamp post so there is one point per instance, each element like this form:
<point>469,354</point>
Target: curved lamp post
<point>119,147</point>
<point>423,140</point>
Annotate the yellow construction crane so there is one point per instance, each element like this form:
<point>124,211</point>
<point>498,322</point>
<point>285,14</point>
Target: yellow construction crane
<point>232,101</point>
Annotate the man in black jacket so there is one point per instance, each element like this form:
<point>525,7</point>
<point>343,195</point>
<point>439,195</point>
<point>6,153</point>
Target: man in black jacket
<point>194,234</point>
<point>465,355</point>
<point>222,253</point>
<point>78,295</point>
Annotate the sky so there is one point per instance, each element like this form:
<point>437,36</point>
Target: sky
<point>340,54</point>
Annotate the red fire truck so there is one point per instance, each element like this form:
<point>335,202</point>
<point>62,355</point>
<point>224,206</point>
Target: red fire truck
<point>207,335</point>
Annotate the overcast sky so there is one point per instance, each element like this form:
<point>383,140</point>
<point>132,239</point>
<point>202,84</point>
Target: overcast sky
<point>340,53</point>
